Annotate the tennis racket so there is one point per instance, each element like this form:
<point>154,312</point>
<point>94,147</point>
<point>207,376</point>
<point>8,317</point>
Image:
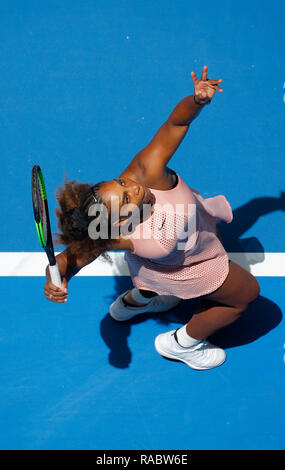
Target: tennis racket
<point>41,214</point>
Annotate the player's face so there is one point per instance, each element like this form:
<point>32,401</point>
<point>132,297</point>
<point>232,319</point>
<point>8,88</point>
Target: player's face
<point>126,191</point>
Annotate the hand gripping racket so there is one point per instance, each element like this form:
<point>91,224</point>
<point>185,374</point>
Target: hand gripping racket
<point>41,214</point>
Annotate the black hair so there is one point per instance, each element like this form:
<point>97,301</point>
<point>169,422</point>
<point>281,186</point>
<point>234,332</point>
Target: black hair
<point>74,200</point>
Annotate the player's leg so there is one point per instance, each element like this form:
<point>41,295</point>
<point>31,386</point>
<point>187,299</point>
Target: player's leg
<point>226,304</point>
<point>217,310</point>
<point>138,297</point>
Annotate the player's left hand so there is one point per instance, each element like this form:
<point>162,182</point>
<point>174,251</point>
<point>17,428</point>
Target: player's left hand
<point>205,88</point>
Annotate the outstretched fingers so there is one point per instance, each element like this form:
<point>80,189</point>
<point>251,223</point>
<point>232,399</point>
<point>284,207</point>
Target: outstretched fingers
<point>194,78</point>
<point>211,83</point>
<point>204,73</point>
<point>214,84</point>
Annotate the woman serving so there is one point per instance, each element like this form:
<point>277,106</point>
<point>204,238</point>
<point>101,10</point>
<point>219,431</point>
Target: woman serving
<point>169,234</point>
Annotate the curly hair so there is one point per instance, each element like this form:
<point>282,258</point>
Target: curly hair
<point>74,200</point>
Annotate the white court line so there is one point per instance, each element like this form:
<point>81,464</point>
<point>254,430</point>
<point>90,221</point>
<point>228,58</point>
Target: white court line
<point>34,264</point>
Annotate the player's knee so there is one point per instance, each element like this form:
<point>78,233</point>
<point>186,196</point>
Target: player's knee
<point>254,290</point>
<point>249,296</point>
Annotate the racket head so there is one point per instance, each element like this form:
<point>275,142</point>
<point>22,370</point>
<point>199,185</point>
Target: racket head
<point>41,212</point>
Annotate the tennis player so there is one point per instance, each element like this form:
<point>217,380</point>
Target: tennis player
<point>169,234</point>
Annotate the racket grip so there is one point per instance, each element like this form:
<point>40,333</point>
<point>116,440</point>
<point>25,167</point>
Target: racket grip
<point>55,275</point>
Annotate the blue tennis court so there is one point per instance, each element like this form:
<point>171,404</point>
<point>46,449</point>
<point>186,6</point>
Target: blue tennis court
<point>84,87</point>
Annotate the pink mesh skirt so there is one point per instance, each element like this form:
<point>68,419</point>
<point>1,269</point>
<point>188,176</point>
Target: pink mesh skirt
<point>193,273</point>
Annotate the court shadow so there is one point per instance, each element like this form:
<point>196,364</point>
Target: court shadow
<point>261,316</point>
<point>250,249</point>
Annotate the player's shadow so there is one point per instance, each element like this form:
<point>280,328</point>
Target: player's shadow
<point>261,316</point>
<point>250,249</point>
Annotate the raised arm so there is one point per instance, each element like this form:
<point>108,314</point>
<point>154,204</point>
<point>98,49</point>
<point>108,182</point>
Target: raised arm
<point>150,163</point>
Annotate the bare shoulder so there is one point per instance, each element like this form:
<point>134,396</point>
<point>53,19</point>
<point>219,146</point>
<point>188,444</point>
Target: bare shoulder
<point>145,166</point>
<point>154,177</point>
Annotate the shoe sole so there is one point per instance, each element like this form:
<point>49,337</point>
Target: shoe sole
<point>131,315</point>
<point>172,356</point>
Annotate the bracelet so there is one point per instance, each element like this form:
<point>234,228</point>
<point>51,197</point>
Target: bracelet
<point>202,102</point>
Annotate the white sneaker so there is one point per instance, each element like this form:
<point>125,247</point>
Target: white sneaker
<point>160,303</point>
<point>202,356</point>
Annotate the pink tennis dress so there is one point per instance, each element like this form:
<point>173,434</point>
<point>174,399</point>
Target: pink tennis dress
<point>176,249</point>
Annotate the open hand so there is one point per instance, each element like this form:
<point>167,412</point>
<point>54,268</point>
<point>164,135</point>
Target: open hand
<point>205,88</point>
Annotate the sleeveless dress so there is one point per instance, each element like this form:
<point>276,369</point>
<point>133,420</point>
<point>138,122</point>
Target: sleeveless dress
<point>176,249</point>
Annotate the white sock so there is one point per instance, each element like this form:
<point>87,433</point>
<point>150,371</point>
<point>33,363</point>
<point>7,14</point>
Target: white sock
<point>184,339</point>
<point>139,298</point>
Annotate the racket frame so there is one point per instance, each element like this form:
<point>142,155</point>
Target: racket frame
<point>39,196</point>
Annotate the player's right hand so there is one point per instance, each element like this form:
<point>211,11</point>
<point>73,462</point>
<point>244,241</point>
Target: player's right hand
<point>56,294</point>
